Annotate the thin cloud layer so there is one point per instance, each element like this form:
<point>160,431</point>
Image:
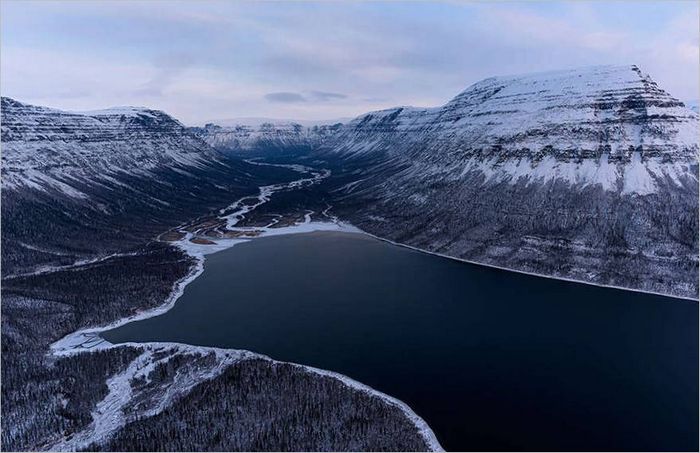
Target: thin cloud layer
<point>285,97</point>
<point>306,60</point>
<point>311,96</point>
<point>326,96</point>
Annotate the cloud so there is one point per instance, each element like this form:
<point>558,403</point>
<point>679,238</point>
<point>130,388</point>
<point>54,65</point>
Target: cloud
<point>285,97</point>
<point>326,96</point>
<point>289,97</point>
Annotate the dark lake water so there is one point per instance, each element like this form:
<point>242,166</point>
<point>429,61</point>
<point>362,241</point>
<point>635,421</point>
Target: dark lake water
<point>492,360</point>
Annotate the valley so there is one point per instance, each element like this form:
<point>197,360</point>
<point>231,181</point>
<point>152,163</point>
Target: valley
<point>117,223</point>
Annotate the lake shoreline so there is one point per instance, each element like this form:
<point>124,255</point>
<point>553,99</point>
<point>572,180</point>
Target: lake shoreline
<point>90,339</point>
<point>534,274</point>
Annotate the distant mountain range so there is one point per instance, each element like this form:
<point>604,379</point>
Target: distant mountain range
<point>266,138</point>
<point>256,121</point>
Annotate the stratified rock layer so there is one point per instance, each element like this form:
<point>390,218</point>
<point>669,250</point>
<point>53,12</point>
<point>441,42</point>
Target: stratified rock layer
<point>590,174</point>
<point>47,148</point>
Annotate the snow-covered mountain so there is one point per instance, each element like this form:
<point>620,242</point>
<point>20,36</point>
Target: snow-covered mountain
<point>590,174</point>
<point>609,125</point>
<point>265,138</point>
<point>76,185</point>
<point>257,121</point>
<point>47,148</point>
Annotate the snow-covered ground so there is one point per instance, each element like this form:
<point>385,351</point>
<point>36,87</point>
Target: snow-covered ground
<point>76,265</point>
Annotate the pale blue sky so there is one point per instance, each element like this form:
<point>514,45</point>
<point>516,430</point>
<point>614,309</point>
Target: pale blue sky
<point>312,60</point>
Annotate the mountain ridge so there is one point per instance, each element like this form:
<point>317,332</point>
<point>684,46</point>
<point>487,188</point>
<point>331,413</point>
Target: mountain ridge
<point>49,148</point>
<point>570,126</point>
<point>586,174</point>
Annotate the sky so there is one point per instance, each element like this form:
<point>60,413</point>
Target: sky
<point>209,60</point>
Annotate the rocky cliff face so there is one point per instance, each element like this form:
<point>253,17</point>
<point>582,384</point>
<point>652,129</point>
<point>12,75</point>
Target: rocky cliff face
<point>267,138</point>
<point>590,174</point>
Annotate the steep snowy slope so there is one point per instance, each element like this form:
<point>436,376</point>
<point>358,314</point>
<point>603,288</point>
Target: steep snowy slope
<point>265,138</point>
<point>47,148</point>
<point>608,125</point>
<point>589,174</point>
